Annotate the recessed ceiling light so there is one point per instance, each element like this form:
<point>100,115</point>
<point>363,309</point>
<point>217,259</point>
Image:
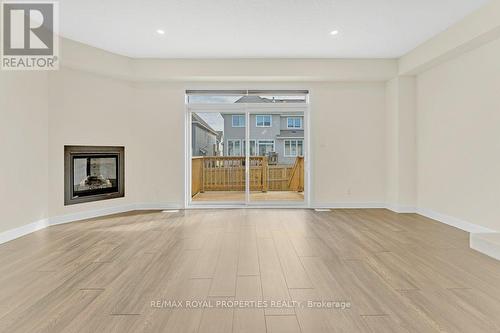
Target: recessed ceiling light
<point>334,32</point>
<point>160,32</point>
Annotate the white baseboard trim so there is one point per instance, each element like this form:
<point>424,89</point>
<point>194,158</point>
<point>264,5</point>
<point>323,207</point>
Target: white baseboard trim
<point>157,206</point>
<point>56,220</point>
<point>453,221</point>
<point>488,244</point>
<point>111,210</point>
<point>401,209</point>
<point>353,205</point>
<point>449,220</point>
<point>23,230</point>
<point>61,219</point>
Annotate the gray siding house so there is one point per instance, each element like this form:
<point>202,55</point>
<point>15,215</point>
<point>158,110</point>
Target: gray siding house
<point>282,134</point>
<point>205,140</point>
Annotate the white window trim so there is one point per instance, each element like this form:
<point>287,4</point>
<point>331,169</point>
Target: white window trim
<point>296,147</point>
<point>227,148</point>
<point>244,145</point>
<point>267,142</point>
<point>301,123</point>
<point>232,120</point>
<point>264,115</point>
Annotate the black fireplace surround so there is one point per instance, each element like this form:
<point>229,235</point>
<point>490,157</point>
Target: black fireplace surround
<point>93,173</point>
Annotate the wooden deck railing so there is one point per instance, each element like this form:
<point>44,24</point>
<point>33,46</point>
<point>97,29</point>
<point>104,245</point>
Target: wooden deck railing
<point>223,173</point>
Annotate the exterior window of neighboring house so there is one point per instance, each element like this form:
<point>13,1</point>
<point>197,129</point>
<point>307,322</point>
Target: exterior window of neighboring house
<point>263,120</point>
<point>238,120</point>
<point>294,148</point>
<point>294,122</point>
<point>252,148</point>
<point>233,147</point>
<point>265,147</point>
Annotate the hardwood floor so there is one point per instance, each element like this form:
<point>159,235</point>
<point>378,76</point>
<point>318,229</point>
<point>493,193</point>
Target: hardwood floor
<point>393,273</point>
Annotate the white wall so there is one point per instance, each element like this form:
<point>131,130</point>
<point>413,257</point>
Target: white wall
<point>24,148</point>
<point>392,144</point>
<point>88,109</point>
<point>407,142</point>
<point>159,140</point>
<point>401,191</point>
<point>459,137</point>
<point>348,143</point>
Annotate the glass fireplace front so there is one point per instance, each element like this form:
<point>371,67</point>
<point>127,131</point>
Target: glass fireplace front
<point>93,173</point>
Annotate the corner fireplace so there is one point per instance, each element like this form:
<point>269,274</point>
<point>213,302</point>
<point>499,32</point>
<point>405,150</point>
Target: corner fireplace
<point>93,173</point>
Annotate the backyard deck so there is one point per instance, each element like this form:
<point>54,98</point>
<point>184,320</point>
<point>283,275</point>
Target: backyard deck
<point>222,178</point>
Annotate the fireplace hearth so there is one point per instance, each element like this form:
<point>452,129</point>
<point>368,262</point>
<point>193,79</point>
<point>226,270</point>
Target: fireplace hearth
<point>93,173</point>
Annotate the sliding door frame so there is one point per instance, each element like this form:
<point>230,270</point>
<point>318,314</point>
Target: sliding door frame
<point>247,109</point>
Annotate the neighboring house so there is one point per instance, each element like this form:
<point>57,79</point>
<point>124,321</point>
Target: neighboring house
<point>205,140</point>
<point>279,133</point>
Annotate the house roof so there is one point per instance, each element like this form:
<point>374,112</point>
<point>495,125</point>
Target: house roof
<point>198,120</point>
<point>260,99</point>
<point>253,99</point>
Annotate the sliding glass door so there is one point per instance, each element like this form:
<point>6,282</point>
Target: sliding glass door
<point>247,148</point>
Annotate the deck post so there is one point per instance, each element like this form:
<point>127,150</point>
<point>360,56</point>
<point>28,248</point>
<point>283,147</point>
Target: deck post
<point>264,174</point>
<point>202,188</point>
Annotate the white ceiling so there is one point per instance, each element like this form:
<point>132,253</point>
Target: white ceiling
<point>259,28</point>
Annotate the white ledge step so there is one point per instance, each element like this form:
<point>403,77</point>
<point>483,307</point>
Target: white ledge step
<point>488,244</point>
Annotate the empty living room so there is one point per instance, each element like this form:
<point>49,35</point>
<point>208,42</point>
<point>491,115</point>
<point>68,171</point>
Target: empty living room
<point>250,166</point>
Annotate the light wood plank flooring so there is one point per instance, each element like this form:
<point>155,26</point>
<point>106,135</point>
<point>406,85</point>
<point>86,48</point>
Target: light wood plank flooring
<point>398,273</point>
